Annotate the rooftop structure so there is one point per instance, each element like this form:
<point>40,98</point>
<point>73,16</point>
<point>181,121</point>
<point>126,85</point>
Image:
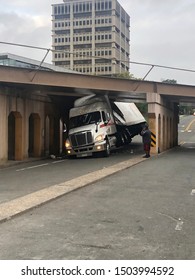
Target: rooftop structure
<point>13,60</point>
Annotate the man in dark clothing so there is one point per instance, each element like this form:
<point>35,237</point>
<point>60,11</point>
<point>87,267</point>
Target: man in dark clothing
<point>146,136</point>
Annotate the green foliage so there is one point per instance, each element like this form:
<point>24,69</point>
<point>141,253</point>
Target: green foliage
<point>186,109</point>
<point>125,75</point>
<point>169,81</point>
<point>143,107</point>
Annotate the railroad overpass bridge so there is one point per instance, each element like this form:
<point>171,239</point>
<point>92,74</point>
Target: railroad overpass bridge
<point>34,105</point>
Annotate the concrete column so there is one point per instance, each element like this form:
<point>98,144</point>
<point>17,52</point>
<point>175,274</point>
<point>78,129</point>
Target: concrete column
<point>154,128</point>
<point>175,124</point>
<point>37,136</point>
<point>18,137</point>
<point>163,122</point>
<point>154,116</point>
<point>3,128</point>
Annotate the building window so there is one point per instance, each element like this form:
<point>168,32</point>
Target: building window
<point>85,36</point>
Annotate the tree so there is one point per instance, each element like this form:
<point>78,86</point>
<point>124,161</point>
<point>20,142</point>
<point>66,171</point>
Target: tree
<point>125,75</point>
<point>186,109</point>
<point>169,81</point>
<point>143,107</point>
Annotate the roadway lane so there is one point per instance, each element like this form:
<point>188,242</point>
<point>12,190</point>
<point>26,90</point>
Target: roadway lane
<point>25,178</point>
<point>144,212</point>
<point>186,130</point>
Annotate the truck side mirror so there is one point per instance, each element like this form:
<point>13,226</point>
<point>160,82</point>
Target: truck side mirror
<point>96,130</point>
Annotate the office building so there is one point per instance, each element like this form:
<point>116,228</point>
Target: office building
<point>91,36</point>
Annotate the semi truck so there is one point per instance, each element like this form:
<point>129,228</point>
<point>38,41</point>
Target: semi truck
<point>98,125</point>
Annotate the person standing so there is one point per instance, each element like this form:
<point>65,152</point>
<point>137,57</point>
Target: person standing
<point>146,137</point>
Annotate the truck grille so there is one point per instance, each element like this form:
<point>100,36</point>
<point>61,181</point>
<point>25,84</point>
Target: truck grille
<point>81,139</point>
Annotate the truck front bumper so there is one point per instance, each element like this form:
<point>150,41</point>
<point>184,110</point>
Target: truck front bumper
<point>85,151</point>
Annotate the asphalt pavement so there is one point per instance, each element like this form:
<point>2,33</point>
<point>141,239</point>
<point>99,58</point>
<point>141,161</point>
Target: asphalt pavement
<point>145,210</point>
<point>18,201</point>
<point>142,212</point>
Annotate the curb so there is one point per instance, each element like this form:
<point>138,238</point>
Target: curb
<point>21,205</point>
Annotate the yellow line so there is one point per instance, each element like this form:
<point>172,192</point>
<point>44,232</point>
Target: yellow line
<point>188,127</point>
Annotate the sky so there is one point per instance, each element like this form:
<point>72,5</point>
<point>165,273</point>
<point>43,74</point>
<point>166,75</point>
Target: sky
<point>161,33</point>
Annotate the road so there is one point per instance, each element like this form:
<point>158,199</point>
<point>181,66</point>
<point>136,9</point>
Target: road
<point>24,178</point>
<point>143,212</point>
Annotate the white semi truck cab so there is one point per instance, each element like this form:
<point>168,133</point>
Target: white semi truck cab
<point>97,125</point>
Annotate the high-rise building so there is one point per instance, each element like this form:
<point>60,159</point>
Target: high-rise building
<point>91,36</point>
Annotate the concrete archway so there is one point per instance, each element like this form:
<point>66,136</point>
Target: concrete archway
<point>15,136</point>
<point>34,143</point>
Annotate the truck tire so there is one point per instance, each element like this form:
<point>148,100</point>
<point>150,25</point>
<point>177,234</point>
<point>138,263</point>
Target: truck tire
<point>106,153</point>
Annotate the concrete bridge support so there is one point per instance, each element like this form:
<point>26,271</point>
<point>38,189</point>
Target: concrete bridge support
<point>21,124</point>
<point>31,125</point>
<point>163,122</point>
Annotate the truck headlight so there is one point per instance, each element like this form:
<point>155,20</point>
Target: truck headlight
<point>67,144</point>
<point>99,138</point>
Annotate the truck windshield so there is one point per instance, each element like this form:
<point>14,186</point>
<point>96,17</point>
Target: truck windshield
<point>89,118</point>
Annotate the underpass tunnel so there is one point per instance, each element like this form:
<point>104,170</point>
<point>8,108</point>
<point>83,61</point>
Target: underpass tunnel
<point>55,135</point>
<point>57,124</point>
<point>186,125</point>
<point>162,118</point>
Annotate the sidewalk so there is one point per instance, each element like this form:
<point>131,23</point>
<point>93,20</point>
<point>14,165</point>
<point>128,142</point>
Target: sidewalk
<point>20,205</point>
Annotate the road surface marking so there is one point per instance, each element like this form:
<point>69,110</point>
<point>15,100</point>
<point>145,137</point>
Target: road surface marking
<point>188,127</point>
<point>179,224</point>
<point>58,161</point>
<point>179,221</point>
<point>193,192</point>
<point>168,216</point>
<point>31,167</point>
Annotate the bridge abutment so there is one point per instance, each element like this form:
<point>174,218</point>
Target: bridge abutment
<point>163,122</point>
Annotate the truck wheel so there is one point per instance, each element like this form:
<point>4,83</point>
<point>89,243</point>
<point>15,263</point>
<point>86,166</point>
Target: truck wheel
<point>107,151</point>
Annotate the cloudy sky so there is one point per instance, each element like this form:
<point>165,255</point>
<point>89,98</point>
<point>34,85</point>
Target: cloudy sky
<point>162,33</point>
